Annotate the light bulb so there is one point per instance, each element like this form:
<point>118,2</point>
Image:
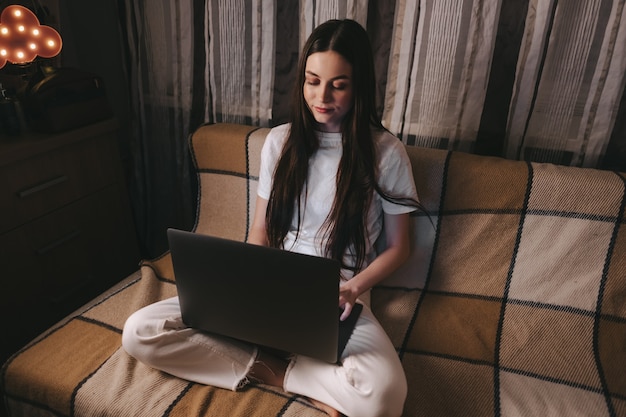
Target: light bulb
<point>23,37</point>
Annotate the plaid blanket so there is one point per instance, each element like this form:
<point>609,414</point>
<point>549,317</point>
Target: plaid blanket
<point>513,302</point>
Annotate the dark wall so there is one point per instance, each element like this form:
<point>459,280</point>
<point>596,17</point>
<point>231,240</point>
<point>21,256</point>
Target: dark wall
<point>91,42</point>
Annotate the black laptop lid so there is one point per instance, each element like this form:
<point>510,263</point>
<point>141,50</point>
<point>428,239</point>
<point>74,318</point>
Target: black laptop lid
<point>270,297</point>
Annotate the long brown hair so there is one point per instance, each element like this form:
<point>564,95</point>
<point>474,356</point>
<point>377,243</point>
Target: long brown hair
<point>345,226</point>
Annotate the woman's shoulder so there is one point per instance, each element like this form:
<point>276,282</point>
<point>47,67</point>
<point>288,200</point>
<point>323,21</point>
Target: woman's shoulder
<point>387,143</point>
<point>279,132</point>
<point>276,137</point>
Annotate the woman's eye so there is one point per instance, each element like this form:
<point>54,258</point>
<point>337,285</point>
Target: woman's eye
<point>312,82</point>
<point>339,86</point>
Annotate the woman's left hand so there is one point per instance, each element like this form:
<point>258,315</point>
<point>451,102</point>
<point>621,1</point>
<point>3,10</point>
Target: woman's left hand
<point>396,252</point>
<point>347,299</point>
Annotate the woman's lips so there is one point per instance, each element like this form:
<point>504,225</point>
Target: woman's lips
<point>322,109</point>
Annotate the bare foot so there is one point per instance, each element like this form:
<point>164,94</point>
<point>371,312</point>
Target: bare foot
<point>269,369</point>
<point>326,408</point>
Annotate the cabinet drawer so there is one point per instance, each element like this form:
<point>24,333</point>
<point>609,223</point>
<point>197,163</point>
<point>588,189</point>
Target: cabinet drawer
<point>22,273</point>
<point>67,257</point>
<point>40,184</point>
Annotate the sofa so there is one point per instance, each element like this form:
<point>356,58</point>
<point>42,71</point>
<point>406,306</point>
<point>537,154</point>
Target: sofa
<point>513,301</point>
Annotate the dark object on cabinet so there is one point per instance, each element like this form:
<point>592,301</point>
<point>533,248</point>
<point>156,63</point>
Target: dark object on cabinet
<point>65,98</point>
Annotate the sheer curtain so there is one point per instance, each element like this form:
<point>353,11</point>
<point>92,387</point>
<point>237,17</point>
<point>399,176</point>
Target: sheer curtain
<point>541,80</point>
<point>569,81</point>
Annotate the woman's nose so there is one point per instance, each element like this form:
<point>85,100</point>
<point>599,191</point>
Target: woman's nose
<point>326,93</point>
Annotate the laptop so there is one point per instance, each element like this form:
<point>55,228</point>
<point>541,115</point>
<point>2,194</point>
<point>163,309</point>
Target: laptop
<point>280,300</point>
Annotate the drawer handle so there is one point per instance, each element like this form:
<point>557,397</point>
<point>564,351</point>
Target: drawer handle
<point>60,241</point>
<point>43,186</point>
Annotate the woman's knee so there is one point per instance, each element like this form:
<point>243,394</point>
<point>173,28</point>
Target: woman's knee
<point>145,328</point>
<point>380,396</point>
<point>131,334</point>
<point>142,334</point>
<point>386,399</point>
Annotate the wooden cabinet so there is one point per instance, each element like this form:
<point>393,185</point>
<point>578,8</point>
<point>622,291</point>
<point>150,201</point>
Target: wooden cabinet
<point>66,229</point>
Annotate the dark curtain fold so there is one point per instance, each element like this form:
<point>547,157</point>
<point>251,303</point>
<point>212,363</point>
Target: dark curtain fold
<point>509,37</point>
<point>162,83</point>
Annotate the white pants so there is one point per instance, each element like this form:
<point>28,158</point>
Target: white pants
<point>369,382</point>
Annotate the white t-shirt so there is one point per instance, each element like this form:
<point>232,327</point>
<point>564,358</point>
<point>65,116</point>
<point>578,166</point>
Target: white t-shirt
<point>395,178</point>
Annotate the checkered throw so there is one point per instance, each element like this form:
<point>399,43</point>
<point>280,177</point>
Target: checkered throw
<point>513,302</point>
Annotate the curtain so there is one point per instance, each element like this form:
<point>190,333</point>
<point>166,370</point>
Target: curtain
<point>541,80</point>
<point>569,81</point>
<point>166,105</point>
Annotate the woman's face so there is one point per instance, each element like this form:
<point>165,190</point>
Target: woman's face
<point>327,89</point>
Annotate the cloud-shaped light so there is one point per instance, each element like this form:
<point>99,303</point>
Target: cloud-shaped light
<point>22,37</point>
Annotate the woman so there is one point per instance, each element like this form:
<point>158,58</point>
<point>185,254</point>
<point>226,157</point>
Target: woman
<point>330,181</point>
